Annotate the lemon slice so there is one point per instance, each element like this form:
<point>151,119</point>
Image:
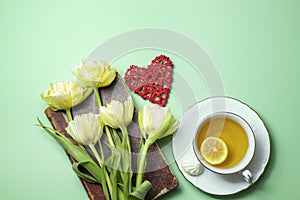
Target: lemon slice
<point>214,150</point>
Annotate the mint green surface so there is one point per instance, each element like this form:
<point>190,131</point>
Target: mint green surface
<point>255,46</point>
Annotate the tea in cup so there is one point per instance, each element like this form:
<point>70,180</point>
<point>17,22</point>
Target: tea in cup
<point>225,144</point>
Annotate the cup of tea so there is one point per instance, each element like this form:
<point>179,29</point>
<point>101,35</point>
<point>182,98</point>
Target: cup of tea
<point>225,144</point>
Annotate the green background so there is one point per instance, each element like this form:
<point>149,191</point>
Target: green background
<point>255,46</point>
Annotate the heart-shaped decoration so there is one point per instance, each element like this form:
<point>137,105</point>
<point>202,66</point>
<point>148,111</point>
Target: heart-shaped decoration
<point>152,83</point>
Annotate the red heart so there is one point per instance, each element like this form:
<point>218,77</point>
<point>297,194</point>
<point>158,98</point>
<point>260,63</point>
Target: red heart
<point>152,83</point>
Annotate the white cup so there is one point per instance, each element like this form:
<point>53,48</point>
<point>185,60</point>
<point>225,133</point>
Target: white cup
<point>240,167</point>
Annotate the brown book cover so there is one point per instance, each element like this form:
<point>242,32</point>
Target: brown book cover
<point>157,170</point>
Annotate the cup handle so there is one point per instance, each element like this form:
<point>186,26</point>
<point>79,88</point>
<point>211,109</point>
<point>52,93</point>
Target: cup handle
<point>247,175</point>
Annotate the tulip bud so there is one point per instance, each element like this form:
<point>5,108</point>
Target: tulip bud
<point>118,114</point>
<point>95,74</point>
<point>156,122</point>
<point>65,95</point>
<point>86,129</point>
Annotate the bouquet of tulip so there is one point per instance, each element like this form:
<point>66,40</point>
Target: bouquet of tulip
<point>113,171</point>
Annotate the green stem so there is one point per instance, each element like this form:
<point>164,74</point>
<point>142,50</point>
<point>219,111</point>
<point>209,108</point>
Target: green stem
<point>126,138</point>
<point>69,115</point>
<point>127,176</point>
<point>120,195</point>
<point>108,181</point>
<point>97,95</point>
<point>114,179</point>
<point>96,154</point>
<point>142,163</point>
<point>109,137</point>
<point>98,98</point>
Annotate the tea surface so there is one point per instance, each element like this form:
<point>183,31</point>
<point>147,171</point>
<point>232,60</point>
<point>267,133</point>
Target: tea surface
<point>231,133</point>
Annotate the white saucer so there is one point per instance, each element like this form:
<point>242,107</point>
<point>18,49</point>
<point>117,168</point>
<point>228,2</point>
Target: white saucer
<point>208,181</point>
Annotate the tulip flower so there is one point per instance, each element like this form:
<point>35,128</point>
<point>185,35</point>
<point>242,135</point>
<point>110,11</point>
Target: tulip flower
<point>85,129</point>
<point>64,95</point>
<point>155,122</point>
<point>95,74</point>
<point>118,114</point>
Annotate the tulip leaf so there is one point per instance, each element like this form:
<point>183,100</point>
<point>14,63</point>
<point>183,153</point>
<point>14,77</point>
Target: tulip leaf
<point>117,138</point>
<point>123,156</point>
<point>161,130</point>
<point>91,167</point>
<point>141,191</point>
<point>172,128</point>
<point>104,182</point>
<point>114,160</point>
<point>112,164</point>
<point>78,152</point>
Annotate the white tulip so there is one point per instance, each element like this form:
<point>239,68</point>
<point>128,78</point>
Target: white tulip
<point>85,129</point>
<point>156,122</point>
<point>64,95</point>
<point>117,114</point>
<point>95,74</point>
